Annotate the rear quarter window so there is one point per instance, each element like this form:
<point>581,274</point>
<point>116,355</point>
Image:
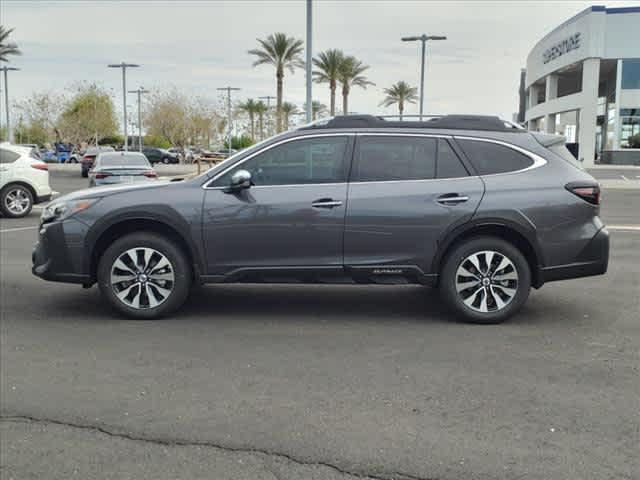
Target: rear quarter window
<point>7,156</point>
<point>490,158</point>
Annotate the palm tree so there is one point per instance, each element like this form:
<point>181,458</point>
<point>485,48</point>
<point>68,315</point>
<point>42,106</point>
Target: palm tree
<point>288,109</point>
<point>6,47</point>
<point>400,93</point>
<point>249,107</point>
<point>351,72</point>
<point>260,110</point>
<point>282,52</point>
<point>317,108</point>
<point>329,63</point>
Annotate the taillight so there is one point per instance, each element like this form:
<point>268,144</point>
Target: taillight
<point>40,166</point>
<point>150,174</point>
<point>102,175</point>
<point>589,193</point>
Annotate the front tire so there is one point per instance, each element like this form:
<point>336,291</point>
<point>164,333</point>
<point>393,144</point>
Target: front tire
<point>144,276</point>
<point>16,201</point>
<point>485,280</point>
<point>165,160</point>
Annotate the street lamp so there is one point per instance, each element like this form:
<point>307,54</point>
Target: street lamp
<point>6,98</point>
<point>139,91</point>
<point>422,38</point>
<point>229,90</point>
<point>308,64</point>
<point>124,67</point>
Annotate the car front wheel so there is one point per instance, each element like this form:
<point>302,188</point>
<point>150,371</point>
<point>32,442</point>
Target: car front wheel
<point>16,201</point>
<point>485,280</point>
<point>144,276</point>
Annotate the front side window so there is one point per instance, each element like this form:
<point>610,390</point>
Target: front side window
<point>305,161</point>
<point>387,158</point>
<point>7,156</point>
<point>490,158</point>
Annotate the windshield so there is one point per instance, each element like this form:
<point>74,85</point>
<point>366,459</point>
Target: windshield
<point>123,160</point>
<point>232,158</point>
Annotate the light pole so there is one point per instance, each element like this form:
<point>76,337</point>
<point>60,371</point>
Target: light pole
<point>6,98</point>
<point>229,90</point>
<point>124,67</point>
<point>422,38</point>
<point>309,59</point>
<point>268,98</point>
<point>139,91</point>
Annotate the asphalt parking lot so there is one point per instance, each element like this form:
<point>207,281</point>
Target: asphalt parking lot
<point>291,382</point>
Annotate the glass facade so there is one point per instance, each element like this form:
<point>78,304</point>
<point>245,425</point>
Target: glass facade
<point>630,74</point>
<point>630,127</point>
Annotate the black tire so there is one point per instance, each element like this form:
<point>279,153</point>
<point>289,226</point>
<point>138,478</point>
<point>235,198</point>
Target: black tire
<point>181,270</point>
<point>85,173</point>
<point>462,251</point>
<point>166,160</point>
<point>23,191</point>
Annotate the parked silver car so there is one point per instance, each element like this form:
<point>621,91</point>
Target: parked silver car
<point>111,168</point>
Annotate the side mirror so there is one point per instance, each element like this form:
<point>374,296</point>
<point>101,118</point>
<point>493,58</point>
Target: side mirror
<point>240,180</point>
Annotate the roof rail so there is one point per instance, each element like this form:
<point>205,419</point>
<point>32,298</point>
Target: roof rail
<point>451,122</point>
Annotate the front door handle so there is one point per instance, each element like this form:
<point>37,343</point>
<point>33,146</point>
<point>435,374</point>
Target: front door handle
<point>450,199</point>
<point>326,203</point>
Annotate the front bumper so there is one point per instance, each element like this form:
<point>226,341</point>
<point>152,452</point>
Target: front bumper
<point>58,254</point>
<point>592,260</point>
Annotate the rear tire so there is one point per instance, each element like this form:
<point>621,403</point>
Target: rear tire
<point>485,280</point>
<point>165,160</point>
<point>144,276</point>
<point>16,201</point>
<point>85,173</point>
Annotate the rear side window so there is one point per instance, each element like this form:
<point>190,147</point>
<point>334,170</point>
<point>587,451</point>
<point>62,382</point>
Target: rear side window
<point>7,156</point>
<point>383,158</point>
<point>449,165</point>
<point>490,158</point>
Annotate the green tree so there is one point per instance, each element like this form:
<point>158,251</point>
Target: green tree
<point>250,108</point>
<point>261,110</point>
<point>317,109</point>
<point>87,116</point>
<point>282,52</point>
<point>288,109</point>
<point>351,74</point>
<point>158,142</point>
<point>328,64</point>
<point>167,116</point>
<point>239,142</point>
<point>7,48</point>
<point>38,117</point>
<point>400,93</point>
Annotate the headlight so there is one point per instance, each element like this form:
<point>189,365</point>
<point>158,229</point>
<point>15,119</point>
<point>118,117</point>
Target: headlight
<point>60,210</point>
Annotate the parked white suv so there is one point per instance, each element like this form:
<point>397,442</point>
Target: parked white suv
<point>24,180</point>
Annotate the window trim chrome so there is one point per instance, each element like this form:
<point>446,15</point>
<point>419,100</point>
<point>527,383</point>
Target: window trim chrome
<point>538,161</point>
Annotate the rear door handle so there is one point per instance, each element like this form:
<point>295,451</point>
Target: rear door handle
<point>450,199</point>
<point>326,203</point>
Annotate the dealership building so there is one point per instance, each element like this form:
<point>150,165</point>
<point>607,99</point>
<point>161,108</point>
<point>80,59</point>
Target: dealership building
<point>583,81</point>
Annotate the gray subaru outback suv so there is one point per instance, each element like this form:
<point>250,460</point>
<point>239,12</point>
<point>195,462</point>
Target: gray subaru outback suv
<point>470,204</point>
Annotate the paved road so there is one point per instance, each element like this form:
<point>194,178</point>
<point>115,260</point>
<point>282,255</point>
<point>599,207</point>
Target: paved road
<point>291,382</point>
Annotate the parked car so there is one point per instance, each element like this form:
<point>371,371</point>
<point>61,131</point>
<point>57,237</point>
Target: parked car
<point>111,168</point>
<point>157,155</point>
<point>24,180</point>
<point>76,155</point>
<point>470,204</point>
<point>90,156</point>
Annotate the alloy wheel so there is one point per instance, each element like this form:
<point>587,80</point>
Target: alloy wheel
<point>17,201</point>
<point>486,281</point>
<point>142,278</point>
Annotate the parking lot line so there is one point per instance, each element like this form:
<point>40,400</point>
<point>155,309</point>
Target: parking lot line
<point>629,228</point>
<point>17,229</point>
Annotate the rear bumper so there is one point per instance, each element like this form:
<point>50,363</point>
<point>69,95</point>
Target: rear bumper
<point>592,260</point>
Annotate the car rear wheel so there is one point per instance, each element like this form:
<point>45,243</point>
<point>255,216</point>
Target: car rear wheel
<point>485,280</point>
<point>16,201</point>
<point>144,276</point>
<point>165,160</point>
<point>85,173</point>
